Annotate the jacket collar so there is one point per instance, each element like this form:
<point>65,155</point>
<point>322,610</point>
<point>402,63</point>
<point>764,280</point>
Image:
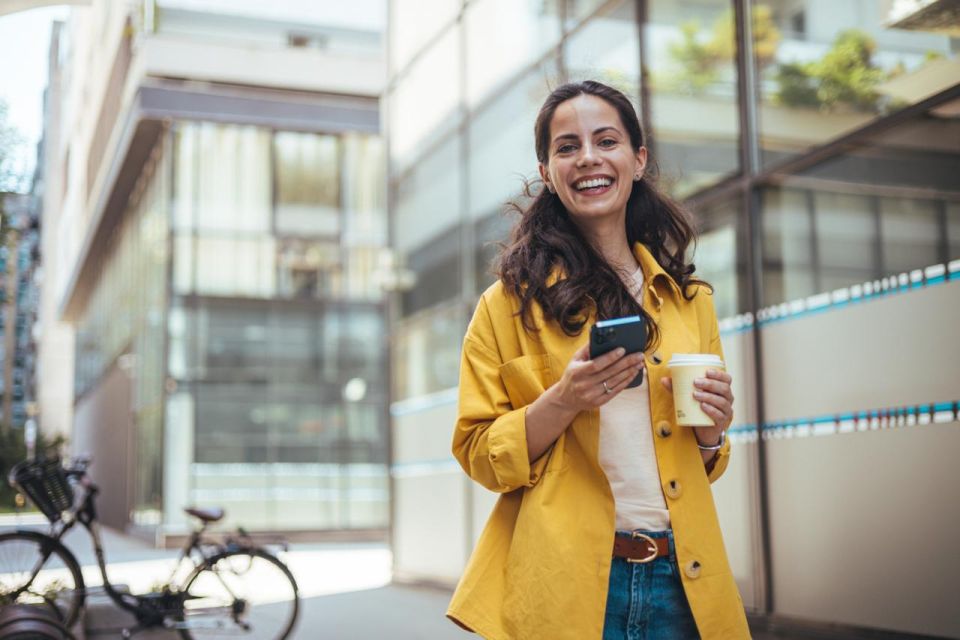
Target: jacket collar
<point>653,274</point>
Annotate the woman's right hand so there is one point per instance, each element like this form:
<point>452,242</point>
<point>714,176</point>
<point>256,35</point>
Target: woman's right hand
<point>587,384</point>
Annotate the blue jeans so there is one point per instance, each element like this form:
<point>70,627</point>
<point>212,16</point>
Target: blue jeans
<point>646,601</point>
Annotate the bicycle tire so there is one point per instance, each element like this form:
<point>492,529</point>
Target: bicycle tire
<point>275,606</point>
<point>19,553</point>
<point>25,622</point>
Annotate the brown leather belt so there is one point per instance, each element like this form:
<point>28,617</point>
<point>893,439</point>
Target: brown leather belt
<point>640,548</point>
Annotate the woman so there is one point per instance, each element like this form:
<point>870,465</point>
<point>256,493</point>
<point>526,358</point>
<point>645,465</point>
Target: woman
<point>605,527</point>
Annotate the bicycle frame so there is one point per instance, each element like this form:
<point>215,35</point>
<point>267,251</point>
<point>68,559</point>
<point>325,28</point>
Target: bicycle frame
<point>171,596</point>
<point>166,607</point>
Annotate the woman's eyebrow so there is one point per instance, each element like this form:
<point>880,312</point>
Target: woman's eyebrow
<point>573,136</point>
<point>607,128</point>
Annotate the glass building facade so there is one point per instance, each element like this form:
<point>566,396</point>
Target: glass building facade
<point>240,293</point>
<point>462,147</point>
<point>817,144</point>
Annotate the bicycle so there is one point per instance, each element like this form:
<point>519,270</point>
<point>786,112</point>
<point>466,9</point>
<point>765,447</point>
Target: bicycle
<point>213,600</point>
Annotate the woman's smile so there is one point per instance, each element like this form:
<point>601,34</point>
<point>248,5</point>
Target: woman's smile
<point>594,185</point>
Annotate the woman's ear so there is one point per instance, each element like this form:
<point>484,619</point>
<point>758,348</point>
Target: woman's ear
<point>641,163</point>
<point>545,176</point>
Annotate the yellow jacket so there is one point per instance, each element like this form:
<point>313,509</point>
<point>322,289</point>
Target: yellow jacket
<point>540,569</point>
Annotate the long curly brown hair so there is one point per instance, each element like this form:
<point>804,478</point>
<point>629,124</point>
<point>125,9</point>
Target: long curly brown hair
<point>546,238</point>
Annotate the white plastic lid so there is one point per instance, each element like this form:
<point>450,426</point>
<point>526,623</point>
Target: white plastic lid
<point>699,359</point>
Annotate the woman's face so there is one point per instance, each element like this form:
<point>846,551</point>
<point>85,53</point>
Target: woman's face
<point>590,161</point>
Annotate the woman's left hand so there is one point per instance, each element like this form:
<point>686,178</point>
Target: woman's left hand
<point>716,400</point>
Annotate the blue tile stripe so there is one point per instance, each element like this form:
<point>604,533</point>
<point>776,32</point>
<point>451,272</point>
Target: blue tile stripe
<point>851,421</point>
<point>855,294</point>
<point>832,424</point>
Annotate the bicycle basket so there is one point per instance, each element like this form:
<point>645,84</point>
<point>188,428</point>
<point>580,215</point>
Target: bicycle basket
<point>44,483</point>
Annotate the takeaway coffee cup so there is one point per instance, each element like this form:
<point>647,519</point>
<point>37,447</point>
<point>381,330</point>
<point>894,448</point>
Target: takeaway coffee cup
<point>684,369</point>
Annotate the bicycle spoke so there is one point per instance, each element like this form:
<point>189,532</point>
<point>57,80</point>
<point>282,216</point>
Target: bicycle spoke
<point>37,571</point>
<point>250,595</point>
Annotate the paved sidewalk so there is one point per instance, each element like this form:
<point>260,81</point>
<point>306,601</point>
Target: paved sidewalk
<point>346,590</point>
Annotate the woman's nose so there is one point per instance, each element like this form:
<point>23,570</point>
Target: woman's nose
<point>588,155</point>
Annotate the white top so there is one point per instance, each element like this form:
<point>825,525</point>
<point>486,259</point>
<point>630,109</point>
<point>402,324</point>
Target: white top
<point>627,455</point>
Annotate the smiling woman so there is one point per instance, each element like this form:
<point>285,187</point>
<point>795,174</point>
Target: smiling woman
<point>593,501</point>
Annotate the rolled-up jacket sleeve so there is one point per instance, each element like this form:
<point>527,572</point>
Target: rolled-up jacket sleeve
<point>490,438</point>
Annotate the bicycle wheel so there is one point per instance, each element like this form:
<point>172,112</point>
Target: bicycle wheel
<point>36,569</point>
<point>248,593</point>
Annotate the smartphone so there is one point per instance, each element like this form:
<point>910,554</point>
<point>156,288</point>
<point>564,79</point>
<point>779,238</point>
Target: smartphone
<point>629,332</point>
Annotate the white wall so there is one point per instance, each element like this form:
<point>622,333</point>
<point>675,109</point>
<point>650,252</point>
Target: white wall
<point>863,514</point>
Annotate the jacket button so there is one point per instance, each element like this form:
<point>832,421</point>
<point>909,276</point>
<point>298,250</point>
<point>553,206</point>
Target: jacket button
<point>657,358</point>
<point>663,429</point>
<point>672,490</point>
<point>692,569</point>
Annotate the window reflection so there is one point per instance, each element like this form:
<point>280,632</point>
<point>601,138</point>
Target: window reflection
<point>427,227</point>
<point>826,69</point>
<point>426,351</point>
<point>275,427</point>
<point>817,240</point>
<point>233,178</point>
<point>607,49</point>
<point>307,269</point>
<point>503,37</point>
<point>720,256</point>
<point>413,23</point>
<point>228,266</point>
<point>308,183</point>
<point>690,51</point>
<point>502,152</point>
<point>426,104</point>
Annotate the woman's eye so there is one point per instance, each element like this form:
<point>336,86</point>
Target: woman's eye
<point>565,148</point>
<point>608,142</point>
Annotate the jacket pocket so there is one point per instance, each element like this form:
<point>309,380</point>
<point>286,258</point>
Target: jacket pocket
<point>525,378</point>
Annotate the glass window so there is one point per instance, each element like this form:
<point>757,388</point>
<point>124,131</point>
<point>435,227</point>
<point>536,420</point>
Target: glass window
<point>365,216</point>
<point>488,233</point>
<point>427,226</point>
<point>720,256</point>
<point>228,266</point>
<point>847,240</point>
<point>413,23</point>
<point>911,234</point>
<point>308,184</point>
<point>233,179</point>
<point>828,68</point>
<point>690,52</point>
<point>307,269</point>
<point>788,245</point>
<point>953,230</point>
<point>576,10</point>
<point>426,351</point>
<point>183,267</point>
<point>184,176</point>
<point>502,154</point>
<point>922,152</point>
<point>607,49</point>
<point>364,206</point>
<point>426,103</point>
<point>503,37</point>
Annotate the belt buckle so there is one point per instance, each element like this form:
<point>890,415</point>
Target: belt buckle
<point>653,543</point>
